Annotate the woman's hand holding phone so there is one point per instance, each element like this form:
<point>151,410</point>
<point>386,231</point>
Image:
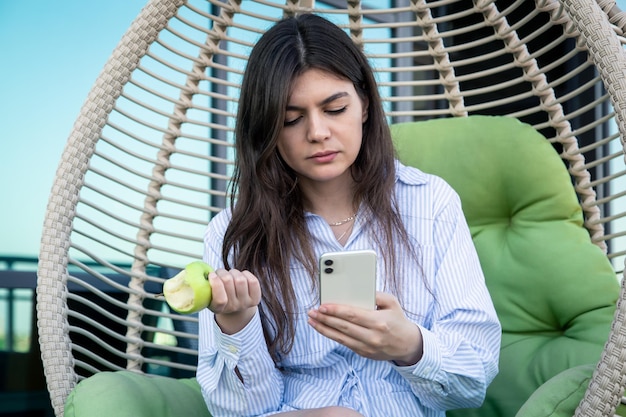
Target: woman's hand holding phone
<point>382,334</point>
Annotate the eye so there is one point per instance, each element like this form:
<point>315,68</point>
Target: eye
<point>337,111</point>
<point>291,122</point>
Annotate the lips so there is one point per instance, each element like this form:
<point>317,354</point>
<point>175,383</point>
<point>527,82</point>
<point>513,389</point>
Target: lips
<point>324,156</point>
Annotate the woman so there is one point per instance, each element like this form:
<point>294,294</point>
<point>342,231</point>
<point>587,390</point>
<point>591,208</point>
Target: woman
<point>316,173</point>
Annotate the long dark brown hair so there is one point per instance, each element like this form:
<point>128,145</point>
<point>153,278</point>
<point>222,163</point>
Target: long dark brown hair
<point>268,228</point>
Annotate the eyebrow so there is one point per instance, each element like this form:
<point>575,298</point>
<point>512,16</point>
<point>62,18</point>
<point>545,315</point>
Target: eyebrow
<point>327,100</point>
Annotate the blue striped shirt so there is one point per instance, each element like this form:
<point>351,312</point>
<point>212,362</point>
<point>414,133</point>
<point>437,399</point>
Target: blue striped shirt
<point>445,295</point>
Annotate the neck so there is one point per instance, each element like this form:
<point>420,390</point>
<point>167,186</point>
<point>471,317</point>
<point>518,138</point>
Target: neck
<point>334,200</point>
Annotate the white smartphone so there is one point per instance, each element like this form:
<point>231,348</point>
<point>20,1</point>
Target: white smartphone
<point>349,278</point>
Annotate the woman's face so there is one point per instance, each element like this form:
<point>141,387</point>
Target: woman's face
<point>323,128</point>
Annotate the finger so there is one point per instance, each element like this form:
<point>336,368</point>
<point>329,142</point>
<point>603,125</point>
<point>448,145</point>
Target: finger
<point>341,319</point>
<point>254,287</point>
<point>219,296</point>
<point>243,280</point>
<point>224,293</point>
<point>242,289</point>
<point>323,324</point>
<point>344,338</point>
<point>339,316</point>
<point>364,331</point>
<point>239,282</point>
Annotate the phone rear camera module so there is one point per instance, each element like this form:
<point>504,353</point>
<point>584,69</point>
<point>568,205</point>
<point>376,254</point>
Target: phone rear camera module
<point>329,270</point>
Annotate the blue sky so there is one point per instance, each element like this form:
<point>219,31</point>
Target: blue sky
<point>52,52</point>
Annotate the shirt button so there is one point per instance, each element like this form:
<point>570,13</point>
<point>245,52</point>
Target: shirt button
<point>233,349</point>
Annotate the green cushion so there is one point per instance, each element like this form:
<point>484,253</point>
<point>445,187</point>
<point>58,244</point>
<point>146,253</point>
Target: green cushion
<point>561,394</point>
<point>554,291</point>
<point>129,394</point>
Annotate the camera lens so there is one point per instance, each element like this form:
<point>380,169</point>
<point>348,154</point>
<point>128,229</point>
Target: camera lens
<point>328,270</point>
<point>328,262</point>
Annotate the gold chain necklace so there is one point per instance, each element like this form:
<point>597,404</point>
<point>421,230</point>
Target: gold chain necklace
<point>344,221</point>
<point>349,229</point>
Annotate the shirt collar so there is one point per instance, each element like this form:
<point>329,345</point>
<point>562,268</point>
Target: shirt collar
<point>410,175</point>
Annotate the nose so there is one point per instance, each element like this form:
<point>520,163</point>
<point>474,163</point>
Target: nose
<point>317,128</point>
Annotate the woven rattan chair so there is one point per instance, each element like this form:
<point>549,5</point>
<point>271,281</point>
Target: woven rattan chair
<point>149,157</point>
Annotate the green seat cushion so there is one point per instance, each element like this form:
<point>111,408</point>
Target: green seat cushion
<point>553,289</point>
<point>129,394</point>
<point>561,394</point>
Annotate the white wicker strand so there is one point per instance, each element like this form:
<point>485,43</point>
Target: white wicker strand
<point>441,58</point>
<point>609,379</point>
<point>158,174</point>
<point>53,261</point>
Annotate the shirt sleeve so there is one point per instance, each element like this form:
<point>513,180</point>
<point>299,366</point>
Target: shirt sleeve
<point>462,341</point>
<point>222,357</point>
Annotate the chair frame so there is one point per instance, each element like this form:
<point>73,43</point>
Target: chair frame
<point>597,26</point>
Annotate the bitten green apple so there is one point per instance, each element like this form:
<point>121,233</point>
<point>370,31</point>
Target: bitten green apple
<point>189,290</point>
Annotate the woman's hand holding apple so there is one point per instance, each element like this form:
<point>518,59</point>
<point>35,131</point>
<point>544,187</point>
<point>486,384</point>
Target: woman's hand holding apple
<point>235,299</point>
